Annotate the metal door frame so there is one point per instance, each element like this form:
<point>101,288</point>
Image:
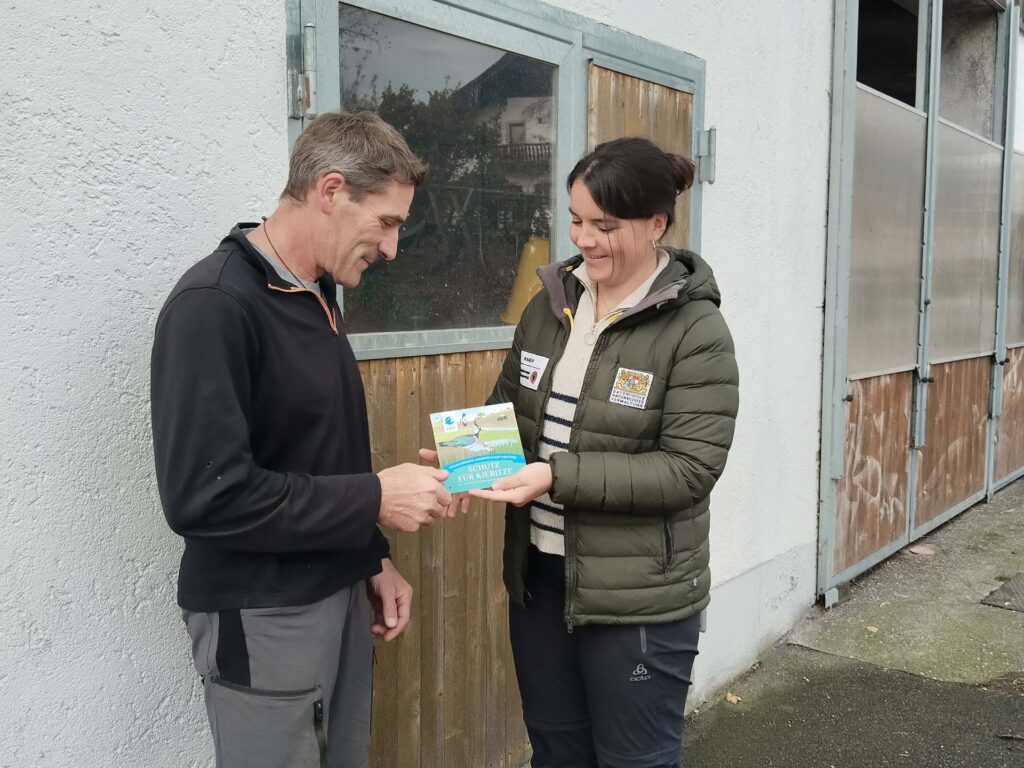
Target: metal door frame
<point>835,382</point>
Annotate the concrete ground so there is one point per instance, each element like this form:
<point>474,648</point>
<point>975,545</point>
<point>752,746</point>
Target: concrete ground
<point>909,669</point>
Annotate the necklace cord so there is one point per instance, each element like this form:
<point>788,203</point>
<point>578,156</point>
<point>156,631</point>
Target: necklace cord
<point>266,233</point>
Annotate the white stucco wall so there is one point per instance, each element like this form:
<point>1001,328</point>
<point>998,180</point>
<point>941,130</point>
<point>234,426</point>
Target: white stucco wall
<point>135,134</point>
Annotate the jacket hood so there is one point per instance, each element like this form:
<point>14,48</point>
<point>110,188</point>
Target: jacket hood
<point>701,283</point>
<point>686,278</point>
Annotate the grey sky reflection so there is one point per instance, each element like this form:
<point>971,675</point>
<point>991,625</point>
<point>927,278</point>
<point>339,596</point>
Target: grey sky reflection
<point>401,53</point>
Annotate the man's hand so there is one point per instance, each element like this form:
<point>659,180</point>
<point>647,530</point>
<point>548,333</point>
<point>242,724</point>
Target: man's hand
<point>391,600</point>
<point>411,496</point>
<point>460,501</point>
<point>520,489</point>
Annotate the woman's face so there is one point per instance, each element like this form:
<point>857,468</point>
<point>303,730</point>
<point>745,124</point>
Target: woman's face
<point>615,251</point>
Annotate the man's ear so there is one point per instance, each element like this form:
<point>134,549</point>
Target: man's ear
<point>327,188</point>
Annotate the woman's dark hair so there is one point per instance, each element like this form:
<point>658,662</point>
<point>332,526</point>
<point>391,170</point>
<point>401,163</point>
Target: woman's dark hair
<point>633,178</point>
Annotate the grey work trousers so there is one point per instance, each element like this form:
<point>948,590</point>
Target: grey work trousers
<point>288,687</point>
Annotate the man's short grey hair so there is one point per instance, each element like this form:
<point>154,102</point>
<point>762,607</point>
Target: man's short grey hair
<point>360,146</point>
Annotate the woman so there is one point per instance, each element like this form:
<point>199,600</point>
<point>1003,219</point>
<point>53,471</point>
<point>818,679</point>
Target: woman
<point>626,431</point>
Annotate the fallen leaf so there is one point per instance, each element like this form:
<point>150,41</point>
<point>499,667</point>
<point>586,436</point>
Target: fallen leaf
<point>732,698</point>
<point>872,630</point>
<point>921,549</point>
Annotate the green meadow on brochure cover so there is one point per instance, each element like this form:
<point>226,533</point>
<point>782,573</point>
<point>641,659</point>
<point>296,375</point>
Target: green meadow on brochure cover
<point>477,445</point>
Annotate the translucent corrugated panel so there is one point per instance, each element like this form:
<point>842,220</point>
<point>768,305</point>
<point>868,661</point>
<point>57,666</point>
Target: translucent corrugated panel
<point>1015,292</point>
<point>885,268</point>
<point>966,246</point>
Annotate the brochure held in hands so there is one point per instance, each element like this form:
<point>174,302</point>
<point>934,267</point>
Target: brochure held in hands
<point>477,445</point>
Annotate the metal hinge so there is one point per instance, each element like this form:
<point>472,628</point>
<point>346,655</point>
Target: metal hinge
<point>302,82</point>
<point>706,156</point>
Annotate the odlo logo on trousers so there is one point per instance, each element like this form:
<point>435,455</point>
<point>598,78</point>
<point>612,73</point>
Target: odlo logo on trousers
<point>639,674</point>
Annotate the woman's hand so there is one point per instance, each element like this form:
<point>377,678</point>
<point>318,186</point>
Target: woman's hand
<point>524,486</point>
<point>460,501</point>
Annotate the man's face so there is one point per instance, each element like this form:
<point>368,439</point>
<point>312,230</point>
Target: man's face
<point>362,232</point>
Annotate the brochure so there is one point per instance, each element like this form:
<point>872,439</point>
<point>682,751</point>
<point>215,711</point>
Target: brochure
<point>477,445</point>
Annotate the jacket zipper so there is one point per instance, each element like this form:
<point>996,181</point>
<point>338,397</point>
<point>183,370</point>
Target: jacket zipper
<point>547,395</point>
<point>331,318</point>
<point>536,439</point>
<point>570,541</point>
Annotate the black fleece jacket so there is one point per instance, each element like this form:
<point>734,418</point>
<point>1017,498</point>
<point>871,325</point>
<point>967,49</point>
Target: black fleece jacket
<point>260,437</point>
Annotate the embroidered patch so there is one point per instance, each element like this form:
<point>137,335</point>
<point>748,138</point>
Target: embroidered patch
<point>631,388</point>
<point>531,369</point>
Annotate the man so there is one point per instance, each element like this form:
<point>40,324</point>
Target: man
<point>263,459</point>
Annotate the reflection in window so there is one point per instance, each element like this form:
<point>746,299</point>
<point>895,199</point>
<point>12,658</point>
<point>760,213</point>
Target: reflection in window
<point>968,76</point>
<point>483,119</point>
<point>887,47</point>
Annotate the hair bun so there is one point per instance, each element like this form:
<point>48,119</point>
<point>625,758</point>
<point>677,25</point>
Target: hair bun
<point>683,171</point>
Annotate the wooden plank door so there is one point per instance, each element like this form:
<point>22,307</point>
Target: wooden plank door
<point>620,105</point>
<point>445,691</point>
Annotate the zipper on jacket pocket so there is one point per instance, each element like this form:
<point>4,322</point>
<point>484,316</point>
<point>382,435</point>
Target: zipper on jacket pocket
<point>666,539</point>
<point>318,729</point>
<point>570,562</point>
<point>643,639</point>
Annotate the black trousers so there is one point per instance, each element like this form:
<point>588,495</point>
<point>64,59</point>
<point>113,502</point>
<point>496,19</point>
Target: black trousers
<point>601,696</point>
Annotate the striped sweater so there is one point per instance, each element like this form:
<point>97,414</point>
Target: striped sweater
<point>546,523</point>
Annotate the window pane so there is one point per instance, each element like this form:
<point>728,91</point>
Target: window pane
<point>483,118</point>
<point>968,76</point>
<point>887,54</point>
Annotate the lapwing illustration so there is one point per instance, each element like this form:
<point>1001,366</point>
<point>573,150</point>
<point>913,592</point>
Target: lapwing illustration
<point>467,442</point>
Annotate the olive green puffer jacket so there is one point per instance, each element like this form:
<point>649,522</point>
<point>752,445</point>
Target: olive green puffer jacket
<point>635,481</point>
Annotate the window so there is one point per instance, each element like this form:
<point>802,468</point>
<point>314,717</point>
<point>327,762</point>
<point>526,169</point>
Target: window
<point>461,247</point>
<point>887,49</point>
<point>970,62</point>
<point>517,133</point>
<point>494,96</point>
<point>892,58</point>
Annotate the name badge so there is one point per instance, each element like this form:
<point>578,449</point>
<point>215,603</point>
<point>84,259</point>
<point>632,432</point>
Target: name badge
<point>631,388</point>
<point>531,368</point>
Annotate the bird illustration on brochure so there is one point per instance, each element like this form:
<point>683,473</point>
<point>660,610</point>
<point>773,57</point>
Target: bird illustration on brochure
<point>477,445</point>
